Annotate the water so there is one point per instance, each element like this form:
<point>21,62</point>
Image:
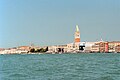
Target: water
<point>60,67</point>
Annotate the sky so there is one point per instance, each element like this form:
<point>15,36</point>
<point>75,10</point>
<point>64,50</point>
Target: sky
<point>52,22</point>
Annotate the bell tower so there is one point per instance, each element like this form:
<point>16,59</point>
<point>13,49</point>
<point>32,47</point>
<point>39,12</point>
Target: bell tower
<point>77,35</point>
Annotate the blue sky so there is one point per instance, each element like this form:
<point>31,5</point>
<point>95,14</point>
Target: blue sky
<point>51,22</point>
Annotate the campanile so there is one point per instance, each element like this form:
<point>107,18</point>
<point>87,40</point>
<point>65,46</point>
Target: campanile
<point>77,34</point>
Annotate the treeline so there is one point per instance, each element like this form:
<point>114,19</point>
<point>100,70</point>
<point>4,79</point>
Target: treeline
<point>41,50</point>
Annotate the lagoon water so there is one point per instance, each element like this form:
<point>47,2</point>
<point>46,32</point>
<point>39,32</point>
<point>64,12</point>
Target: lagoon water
<point>102,66</point>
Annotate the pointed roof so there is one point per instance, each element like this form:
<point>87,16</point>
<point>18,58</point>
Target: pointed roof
<point>77,28</point>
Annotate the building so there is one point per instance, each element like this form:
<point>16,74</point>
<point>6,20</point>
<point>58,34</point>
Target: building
<point>77,35</point>
<point>75,46</point>
<point>95,48</point>
<point>101,47</point>
<point>88,46</point>
<point>26,48</point>
<point>52,49</point>
<point>57,49</point>
<point>106,47</point>
<point>112,45</point>
<point>70,47</point>
<point>117,49</point>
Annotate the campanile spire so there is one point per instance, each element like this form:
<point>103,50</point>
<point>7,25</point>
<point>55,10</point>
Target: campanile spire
<point>77,28</point>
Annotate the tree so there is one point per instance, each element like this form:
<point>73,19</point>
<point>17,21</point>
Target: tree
<point>46,49</point>
<point>32,50</point>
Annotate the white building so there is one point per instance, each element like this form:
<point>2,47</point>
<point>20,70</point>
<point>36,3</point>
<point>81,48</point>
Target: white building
<point>88,46</point>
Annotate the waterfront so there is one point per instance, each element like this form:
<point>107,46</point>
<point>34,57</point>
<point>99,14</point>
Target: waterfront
<point>94,66</point>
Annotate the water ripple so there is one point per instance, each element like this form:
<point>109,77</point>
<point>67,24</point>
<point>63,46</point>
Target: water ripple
<point>60,67</point>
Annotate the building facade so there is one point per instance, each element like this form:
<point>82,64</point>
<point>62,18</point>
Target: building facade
<point>113,45</point>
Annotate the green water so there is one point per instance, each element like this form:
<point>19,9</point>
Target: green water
<point>60,67</point>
